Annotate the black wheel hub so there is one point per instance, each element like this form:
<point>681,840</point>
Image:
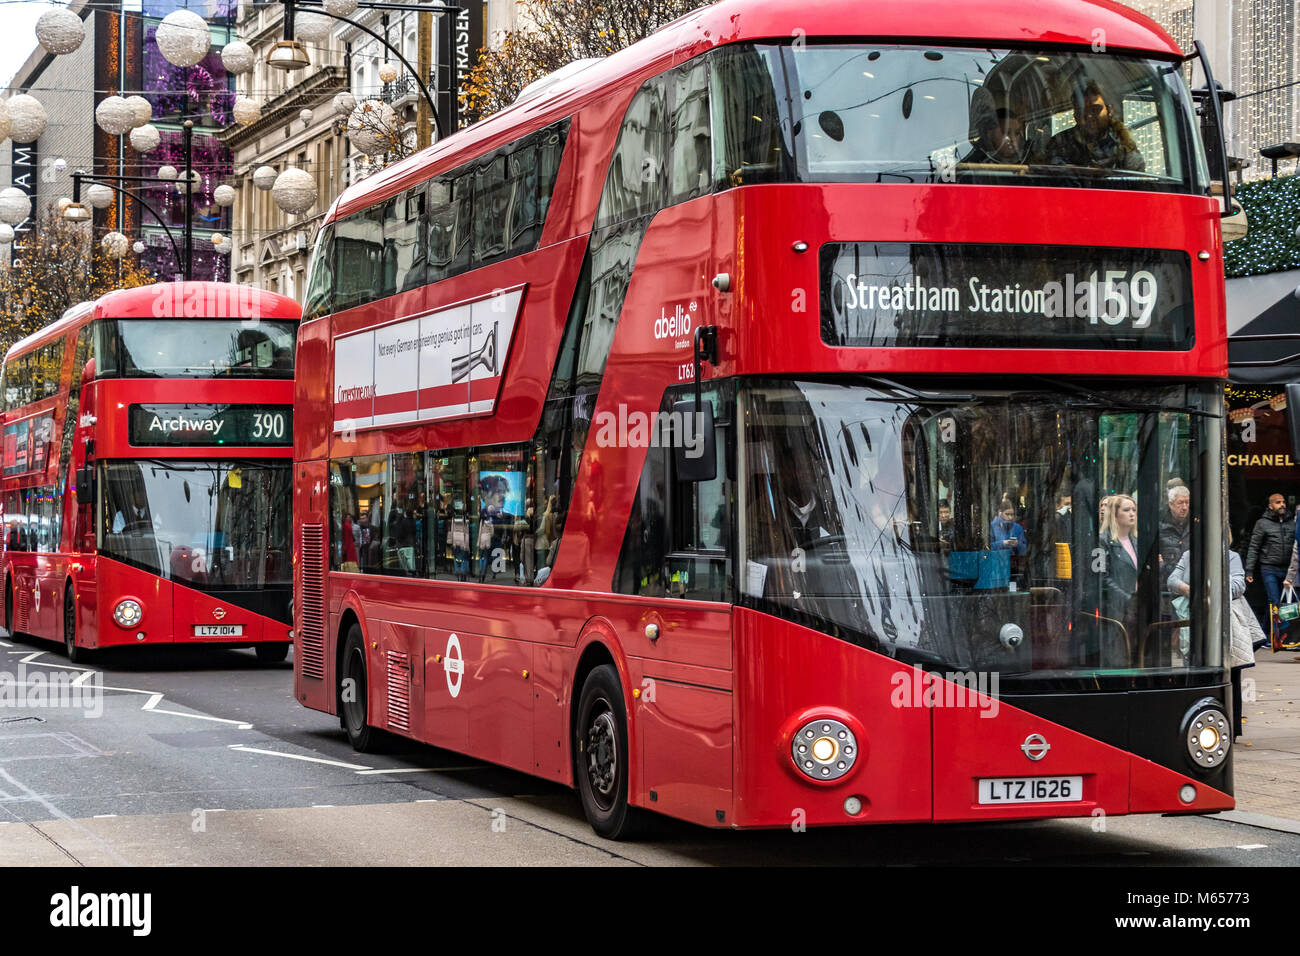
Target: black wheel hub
<point>602,756</point>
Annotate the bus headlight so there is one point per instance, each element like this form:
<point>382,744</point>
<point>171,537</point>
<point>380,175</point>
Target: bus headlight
<point>128,613</point>
<point>824,749</point>
<point>1208,736</point>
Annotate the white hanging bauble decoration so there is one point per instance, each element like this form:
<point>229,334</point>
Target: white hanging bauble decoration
<point>137,247</point>
<point>14,206</point>
<point>312,27</point>
<point>295,190</point>
<point>372,127</point>
<point>341,8</point>
<point>4,120</point>
<point>60,165</point>
<point>387,72</point>
<point>145,139</point>
<point>168,173</point>
<point>344,103</point>
<point>99,196</point>
<point>224,195</point>
<point>195,181</point>
<point>237,57</point>
<point>60,31</point>
<point>246,111</point>
<point>217,240</point>
<point>142,108</point>
<point>115,244</point>
<point>114,116</point>
<point>183,38</point>
<point>27,118</point>
<point>61,206</point>
<point>264,177</point>
<point>6,234</point>
<point>305,115</point>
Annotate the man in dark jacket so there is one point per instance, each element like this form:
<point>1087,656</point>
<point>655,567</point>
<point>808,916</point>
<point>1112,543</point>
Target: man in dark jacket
<point>1175,530</point>
<point>1270,547</point>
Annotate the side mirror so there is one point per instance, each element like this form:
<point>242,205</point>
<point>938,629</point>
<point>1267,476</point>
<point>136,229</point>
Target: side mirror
<point>695,441</point>
<point>85,479</point>
<point>1293,415</point>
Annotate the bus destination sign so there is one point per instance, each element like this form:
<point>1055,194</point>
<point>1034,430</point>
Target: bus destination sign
<point>233,425</point>
<point>974,295</point>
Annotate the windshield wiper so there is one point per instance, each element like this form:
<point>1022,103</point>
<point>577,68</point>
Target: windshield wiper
<point>1099,400</point>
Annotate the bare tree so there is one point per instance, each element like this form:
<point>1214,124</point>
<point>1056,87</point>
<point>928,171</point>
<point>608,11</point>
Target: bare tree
<point>553,33</point>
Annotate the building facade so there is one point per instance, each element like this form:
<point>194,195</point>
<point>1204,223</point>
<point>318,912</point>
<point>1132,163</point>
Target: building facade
<point>119,56</point>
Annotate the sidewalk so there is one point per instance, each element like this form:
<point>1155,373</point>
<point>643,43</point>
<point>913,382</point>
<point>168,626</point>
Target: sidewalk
<point>1266,769</point>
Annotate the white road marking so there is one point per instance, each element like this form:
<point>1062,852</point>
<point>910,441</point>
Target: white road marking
<point>1253,846</point>
<point>417,770</point>
<point>31,659</point>
<point>78,681</point>
<point>151,705</point>
<point>104,816</point>
<point>276,753</point>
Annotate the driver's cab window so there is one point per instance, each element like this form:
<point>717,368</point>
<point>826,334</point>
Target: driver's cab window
<point>678,538</point>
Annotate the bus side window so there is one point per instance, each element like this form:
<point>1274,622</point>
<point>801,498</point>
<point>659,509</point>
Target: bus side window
<point>689,136</point>
<point>634,186</point>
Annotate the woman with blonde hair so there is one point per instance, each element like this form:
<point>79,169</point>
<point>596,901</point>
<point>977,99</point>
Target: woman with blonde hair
<point>1122,568</point>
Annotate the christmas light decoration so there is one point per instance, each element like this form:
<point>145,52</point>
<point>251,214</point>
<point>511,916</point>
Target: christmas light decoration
<point>237,57</point>
<point>264,177</point>
<point>344,103</point>
<point>115,244</point>
<point>99,196</point>
<point>183,38</point>
<point>372,127</point>
<point>60,31</point>
<point>145,139</point>
<point>246,111</point>
<point>224,195</point>
<point>142,108</point>
<point>115,116</point>
<point>341,8</point>
<point>27,118</point>
<point>294,190</point>
<point>14,206</point>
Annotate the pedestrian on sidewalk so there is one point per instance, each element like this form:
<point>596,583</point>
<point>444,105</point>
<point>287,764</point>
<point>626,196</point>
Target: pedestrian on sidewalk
<point>1270,548</point>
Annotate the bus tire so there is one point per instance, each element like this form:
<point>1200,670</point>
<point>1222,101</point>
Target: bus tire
<point>76,655</point>
<point>600,756</point>
<point>271,653</point>
<point>354,693</point>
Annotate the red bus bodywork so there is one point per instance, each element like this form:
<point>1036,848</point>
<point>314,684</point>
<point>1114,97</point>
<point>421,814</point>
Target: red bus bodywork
<point>37,583</point>
<point>731,685</point>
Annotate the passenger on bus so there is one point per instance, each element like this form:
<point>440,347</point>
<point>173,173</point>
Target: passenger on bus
<point>999,140</point>
<point>1005,533</point>
<point>1122,567</point>
<point>1098,138</point>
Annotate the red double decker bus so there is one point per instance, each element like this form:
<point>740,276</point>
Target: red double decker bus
<point>146,484</point>
<point>777,421</point>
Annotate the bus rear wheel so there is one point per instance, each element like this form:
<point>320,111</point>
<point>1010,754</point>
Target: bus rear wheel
<point>353,694</point>
<point>271,653</point>
<point>76,655</point>
<point>600,756</point>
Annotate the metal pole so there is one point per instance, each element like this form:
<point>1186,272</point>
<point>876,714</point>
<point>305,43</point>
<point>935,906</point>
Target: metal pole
<point>189,200</point>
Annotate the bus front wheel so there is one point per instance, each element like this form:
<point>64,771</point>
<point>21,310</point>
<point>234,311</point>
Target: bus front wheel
<point>352,694</point>
<point>601,762</point>
<point>272,653</point>
<point>76,655</point>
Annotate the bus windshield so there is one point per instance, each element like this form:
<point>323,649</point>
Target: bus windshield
<point>897,114</point>
<point>1037,534</point>
<point>198,348</point>
<point>207,524</point>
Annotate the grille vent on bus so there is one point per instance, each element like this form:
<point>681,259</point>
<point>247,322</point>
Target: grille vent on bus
<point>23,613</point>
<point>311,635</point>
<point>399,691</point>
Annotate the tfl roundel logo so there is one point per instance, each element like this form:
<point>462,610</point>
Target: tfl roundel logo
<point>218,612</point>
<point>1035,747</point>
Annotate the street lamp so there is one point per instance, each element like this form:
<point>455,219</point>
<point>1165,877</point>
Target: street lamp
<point>77,212</point>
<point>1280,151</point>
<point>288,54</point>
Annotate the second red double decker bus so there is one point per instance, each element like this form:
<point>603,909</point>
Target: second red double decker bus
<point>776,422</point>
<point>146,471</point>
